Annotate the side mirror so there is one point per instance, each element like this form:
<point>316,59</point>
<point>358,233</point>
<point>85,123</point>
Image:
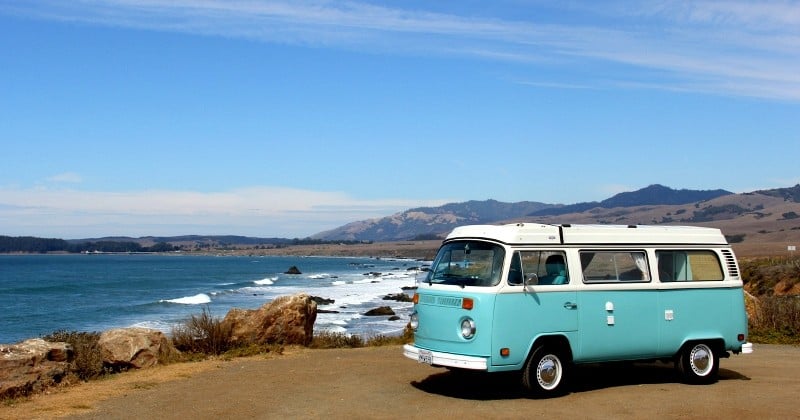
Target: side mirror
<point>531,279</point>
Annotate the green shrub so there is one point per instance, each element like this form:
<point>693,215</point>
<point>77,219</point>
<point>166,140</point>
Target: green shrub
<point>88,362</point>
<point>332,340</point>
<point>761,275</point>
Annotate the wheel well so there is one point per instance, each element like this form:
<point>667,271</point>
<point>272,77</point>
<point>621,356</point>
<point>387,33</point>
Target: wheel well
<point>558,341</point>
<point>716,344</point>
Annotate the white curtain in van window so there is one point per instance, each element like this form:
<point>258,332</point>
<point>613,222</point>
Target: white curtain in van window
<point>641,264</point>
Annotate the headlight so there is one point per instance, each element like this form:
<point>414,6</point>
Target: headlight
<point>414,322</point>
<point>467,328</point>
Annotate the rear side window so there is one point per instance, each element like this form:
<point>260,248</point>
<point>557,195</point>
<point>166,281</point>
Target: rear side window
<point>614,266</point>
<point>689,266</point>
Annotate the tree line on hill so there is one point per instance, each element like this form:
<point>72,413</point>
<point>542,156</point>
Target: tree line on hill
<point>33,245</point>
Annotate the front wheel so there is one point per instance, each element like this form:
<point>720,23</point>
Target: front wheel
<point>698,363</point>
<point>545,372</point>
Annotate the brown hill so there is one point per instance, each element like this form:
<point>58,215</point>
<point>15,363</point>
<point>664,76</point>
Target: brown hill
<point>759,224</point>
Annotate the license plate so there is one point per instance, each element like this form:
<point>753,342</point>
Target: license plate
<point>425,357</point>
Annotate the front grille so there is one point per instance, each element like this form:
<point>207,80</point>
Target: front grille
<point>440,300</point>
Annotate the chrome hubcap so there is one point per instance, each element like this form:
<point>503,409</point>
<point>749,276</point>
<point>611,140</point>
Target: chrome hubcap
<point>700,359</point>
<point>548,373</point>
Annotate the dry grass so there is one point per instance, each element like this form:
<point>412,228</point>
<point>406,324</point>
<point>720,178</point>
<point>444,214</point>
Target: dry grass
<point>203,334</point>
<point>331,340</point>
<point>88,363</point>
<point>775,312</point>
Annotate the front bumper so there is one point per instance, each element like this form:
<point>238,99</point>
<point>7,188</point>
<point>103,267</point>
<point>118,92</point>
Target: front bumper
<point>435,358</point>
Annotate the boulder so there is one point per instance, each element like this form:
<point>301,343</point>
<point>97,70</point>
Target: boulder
<point>383,310</point>
<point>137,348</point>
<point>32,365</point>
<point>285,320</point>
<point>322,301</point>
<point>400,297</point>
<point>293,270</point>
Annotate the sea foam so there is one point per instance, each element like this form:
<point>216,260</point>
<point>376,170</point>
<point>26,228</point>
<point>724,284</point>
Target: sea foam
<point>197,299</point>
<point>266,282</point>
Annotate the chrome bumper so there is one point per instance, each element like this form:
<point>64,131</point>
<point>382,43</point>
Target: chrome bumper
<point>435,358</point>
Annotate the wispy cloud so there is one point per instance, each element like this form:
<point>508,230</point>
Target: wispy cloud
<point>735,48</point>
<point>66,177</point>
<point>255,211</point>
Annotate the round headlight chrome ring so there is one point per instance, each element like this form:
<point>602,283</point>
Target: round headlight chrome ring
<point>467,328</point>
<point>414,321</point>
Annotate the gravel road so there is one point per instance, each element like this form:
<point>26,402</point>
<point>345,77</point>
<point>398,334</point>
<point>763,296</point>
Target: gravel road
<point>381,383</point>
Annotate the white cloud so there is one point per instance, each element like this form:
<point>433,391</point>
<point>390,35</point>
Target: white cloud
<point>723,47</point>
<point>254,211</point>
<point>66,177</point>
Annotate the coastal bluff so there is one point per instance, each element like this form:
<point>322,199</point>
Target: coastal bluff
<point>33,365</point>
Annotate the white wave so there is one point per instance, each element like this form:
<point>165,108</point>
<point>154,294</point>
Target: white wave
<point>336,329</point>
<point>319,276</point>
<point>197,299</point>
<point>162,326</point>
<point>339,282</point>
<point>266,281</point>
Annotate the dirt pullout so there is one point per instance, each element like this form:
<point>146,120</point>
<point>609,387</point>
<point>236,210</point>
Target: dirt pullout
<point>381,383</point>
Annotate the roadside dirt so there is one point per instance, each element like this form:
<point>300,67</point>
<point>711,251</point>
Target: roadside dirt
<point>380,383</point>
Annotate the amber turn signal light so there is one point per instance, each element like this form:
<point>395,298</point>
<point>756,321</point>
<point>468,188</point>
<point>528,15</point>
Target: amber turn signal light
<point>467,304</point>
<point>415,299</point>
<point>505,352</point>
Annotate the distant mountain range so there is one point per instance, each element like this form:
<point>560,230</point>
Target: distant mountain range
<point>652,195</point>
<point>770,213</point>
<point>764,215</point>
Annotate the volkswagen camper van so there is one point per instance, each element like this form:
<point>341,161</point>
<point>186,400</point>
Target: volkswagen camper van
<point>540,299</point>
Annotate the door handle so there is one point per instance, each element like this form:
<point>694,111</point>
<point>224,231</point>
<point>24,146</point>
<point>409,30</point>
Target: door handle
<point>570,305</point>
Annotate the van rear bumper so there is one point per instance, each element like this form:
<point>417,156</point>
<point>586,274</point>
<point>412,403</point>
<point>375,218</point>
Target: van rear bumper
<point>435,358</point>
<point>747,348</point>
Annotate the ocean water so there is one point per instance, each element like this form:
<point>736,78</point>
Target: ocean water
<point>40,294</point>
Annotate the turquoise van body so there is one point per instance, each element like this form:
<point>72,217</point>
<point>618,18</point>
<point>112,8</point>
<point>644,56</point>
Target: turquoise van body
<point>541,298</point>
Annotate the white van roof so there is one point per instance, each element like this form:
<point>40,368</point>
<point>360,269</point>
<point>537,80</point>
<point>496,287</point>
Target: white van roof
<point>534,233</point>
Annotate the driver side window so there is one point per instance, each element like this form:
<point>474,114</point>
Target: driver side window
<point>539,268</point>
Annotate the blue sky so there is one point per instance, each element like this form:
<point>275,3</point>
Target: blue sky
<point>272,118</point>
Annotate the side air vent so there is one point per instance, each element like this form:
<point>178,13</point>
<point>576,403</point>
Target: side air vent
<point>730,262</point>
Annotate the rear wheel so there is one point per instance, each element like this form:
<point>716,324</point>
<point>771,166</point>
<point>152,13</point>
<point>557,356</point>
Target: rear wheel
<point>545,372</point>
<point>698,363</point>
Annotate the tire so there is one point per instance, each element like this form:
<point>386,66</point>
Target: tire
<point>545,373</point>
<point>698,363</point>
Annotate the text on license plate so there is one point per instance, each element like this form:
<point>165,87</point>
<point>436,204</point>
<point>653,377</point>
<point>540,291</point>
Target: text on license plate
<point>425,357</point>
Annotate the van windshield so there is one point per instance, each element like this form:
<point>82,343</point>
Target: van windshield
<point>467,263</point>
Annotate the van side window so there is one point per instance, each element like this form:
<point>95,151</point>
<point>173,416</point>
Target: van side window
<point>688,266</point>
<point>543,267</point>
<point>614,266</point>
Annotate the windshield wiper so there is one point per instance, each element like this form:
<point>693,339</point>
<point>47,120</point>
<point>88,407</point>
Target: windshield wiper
<point>455,279</point>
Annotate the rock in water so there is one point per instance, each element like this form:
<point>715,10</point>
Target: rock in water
<point>285,320</point>
<point>293,270</point>
<point>383,310</point>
